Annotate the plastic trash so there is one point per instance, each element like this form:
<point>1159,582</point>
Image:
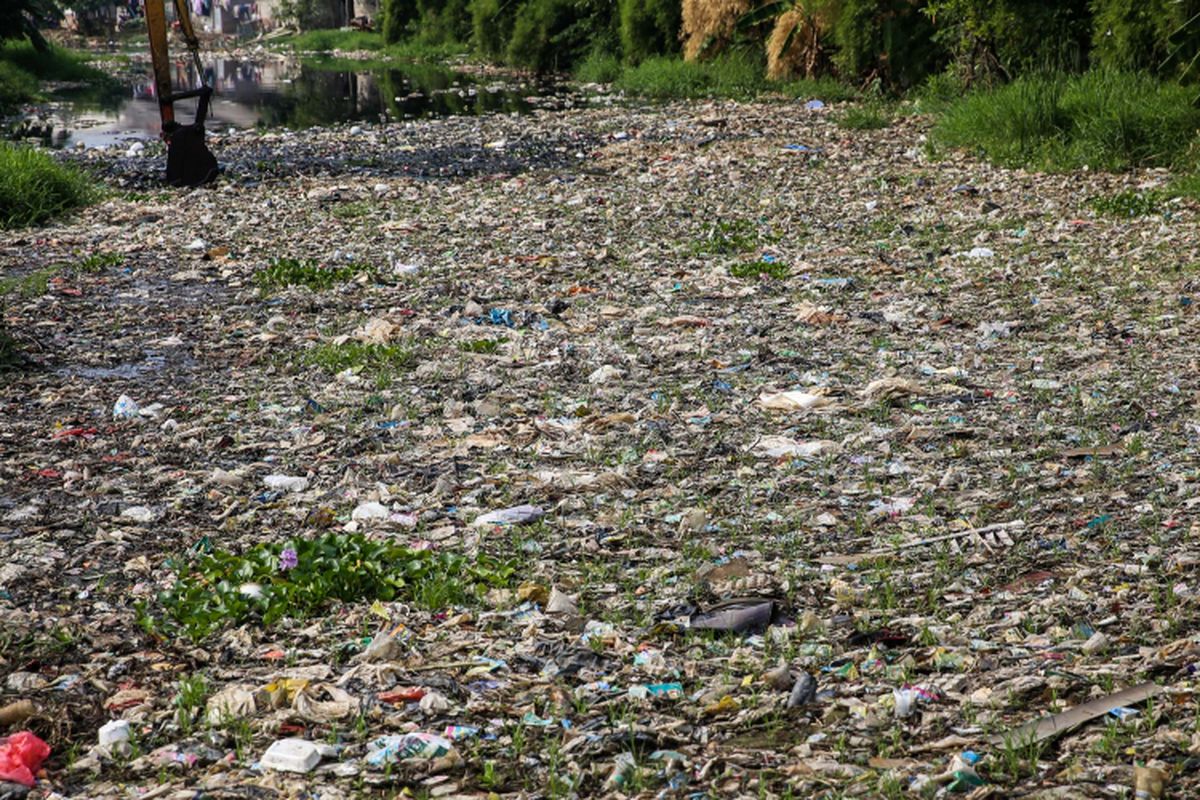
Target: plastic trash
<point>735,616</point>
<point>390,749</point>
<point>291,755</point>
<point>286,483</point>
<point>804,691</point>
<point>793,401</point>
<point>604,374</point>
<point>387,645</point>
<point>561,603</point>
<point>517,515</point>
<point>232,702</point>
<point>1096,643</point>
<point>622,769</point>
<point>114,736</point>
<point>17,712</point>
<point>1148,782</point>
<point>139,514</point>
<point>21,756</point>
<point>904,699</point>
<point>785,447</point>
<point>370,511</point>
<point>671,691</point>
<point>125,408</point>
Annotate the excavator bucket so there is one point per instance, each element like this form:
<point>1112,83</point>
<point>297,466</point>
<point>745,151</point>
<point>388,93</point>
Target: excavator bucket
<point>189,161</point>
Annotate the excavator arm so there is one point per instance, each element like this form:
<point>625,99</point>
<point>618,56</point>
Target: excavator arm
<point>189,161</point>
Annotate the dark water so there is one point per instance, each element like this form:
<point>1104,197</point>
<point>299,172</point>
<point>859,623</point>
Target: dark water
<point>282,93</point>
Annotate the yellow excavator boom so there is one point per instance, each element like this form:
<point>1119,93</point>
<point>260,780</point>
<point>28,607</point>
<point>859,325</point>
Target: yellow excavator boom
<point>189,161</point>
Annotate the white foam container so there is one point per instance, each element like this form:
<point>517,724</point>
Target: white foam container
<point>291,755</point>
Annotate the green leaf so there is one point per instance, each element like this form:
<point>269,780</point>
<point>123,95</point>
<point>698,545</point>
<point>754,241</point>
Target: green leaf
<point>762,14</point>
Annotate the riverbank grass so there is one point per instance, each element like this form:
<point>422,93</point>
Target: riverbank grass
<point>23,67</point>
<point>35,188</point>
<point>1100,120</point>
<point>735,76</point>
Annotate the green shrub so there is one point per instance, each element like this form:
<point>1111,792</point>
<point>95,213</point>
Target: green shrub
<point>598,67</point>
<point>35,188</point>
<point>534,27</point>
<point>732,75</point>
<point>990,39</point>
<point>554,35</point>
<point>16,86</point>
<point>865,117</point>
<point>309,14</point>
<point>938,92</point>
<point>379,361</point>
<point>51,64</point>
<point>491,25</point>
<point>1187,185</point>
<point>1100,119</point>
<point>889,40</point>
<point>443,21</point>
<point>1162,36</point>
<point>398,15</point>
<point>649,28</point>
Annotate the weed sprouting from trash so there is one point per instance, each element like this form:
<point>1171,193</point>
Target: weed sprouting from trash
<point>98,262</point>
<point>483,346</point>
<point>191,693</point>
<point>756,269</point>
<point>223,588</point>
<point>34,284</point>
<point>1128,204</point>
<point>728,237</point>
<point>864,117</point>
<point>381,361</point>
<point>282,273</point>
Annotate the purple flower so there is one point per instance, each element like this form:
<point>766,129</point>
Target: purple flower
<point>288,559</point>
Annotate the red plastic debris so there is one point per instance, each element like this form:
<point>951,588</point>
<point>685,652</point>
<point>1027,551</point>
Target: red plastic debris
<point>406,695</point>
<point>21,755</point>
<point>65,432</point>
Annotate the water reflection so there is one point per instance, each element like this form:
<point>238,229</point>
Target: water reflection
<point>276,93</point>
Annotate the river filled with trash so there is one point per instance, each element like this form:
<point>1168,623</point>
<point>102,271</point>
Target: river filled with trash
<point>687,450</point>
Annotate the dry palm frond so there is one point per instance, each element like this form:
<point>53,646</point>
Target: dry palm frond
<point>795,44</point>
<point>709,22</point>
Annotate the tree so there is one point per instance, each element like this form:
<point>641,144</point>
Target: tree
<point>19,19</point>
<point>314,14</point>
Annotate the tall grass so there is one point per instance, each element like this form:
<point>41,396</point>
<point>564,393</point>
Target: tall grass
<point>54,64</point>
<point>16,86</point>
<point>1101,119</point>
<point>22,67</point>
<point>734,76</point>
<point>34,188</point>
